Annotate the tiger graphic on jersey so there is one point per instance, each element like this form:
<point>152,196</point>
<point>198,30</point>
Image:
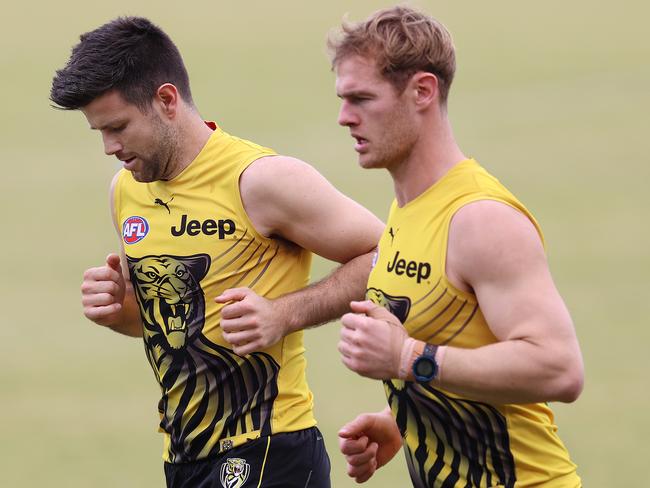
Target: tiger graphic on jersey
<point>477,431</point>
<point>233,394</point>
<point>398,306</point>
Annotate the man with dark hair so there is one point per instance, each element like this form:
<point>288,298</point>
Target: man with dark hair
<point>216,240</point>
<point>129,54</point>
<point>464,323</point>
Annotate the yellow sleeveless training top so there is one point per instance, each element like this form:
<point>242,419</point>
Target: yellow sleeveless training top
<point>187,240</point>
<point>452,441</point>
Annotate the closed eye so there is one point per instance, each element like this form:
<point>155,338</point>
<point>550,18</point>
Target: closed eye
<point>356,100</point>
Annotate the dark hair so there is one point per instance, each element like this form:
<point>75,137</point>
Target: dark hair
<point>128,54</point>
<point>402,41</point>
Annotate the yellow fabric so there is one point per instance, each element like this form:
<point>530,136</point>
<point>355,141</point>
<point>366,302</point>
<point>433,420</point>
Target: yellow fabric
<point>187,240</point>
<point>449,439</point>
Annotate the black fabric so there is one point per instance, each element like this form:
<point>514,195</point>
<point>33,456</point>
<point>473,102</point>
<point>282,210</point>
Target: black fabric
<point>294,460</point>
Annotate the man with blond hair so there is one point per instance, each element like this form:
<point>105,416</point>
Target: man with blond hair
<point>463,322</point>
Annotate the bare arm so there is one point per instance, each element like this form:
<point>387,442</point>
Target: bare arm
<point>329,298</point>
<point>107,294</point>
<point>496,251</point>
<point>287,198</point>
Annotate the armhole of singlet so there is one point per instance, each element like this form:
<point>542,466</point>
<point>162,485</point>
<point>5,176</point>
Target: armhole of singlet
<point>447,224</point>
<point>241,210</point>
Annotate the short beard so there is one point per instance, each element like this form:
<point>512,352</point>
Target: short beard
<point>400,147</point>
<point>159,165</point>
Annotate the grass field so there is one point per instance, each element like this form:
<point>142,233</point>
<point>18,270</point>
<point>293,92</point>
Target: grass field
<point>552,97</point>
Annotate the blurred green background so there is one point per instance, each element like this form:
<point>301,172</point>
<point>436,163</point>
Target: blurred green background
<point>553,97</point>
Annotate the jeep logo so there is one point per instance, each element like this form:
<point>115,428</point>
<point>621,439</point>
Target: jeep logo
<point>412,269</point>
<point>208,227</point>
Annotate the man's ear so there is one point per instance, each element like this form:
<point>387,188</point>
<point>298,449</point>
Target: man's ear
<point>167,99</point>
<point>426,89</point>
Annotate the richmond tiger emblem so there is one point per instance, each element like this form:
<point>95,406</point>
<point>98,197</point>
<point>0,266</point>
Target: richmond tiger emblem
<point>398,306</point>
<point>209,393</point>
<point>234,473</point>
<point>171,297</point>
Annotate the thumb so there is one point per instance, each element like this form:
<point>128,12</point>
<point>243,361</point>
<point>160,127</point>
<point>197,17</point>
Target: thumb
<point>362,307</point>
<point>373,310</point>
<point>357,427</point>
<point>232,295</point>
<point>113,262</point>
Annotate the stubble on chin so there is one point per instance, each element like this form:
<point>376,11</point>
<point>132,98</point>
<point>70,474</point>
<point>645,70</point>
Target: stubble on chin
<point>140,178</point>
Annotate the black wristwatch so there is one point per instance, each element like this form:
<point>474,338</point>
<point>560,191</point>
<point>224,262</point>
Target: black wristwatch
<point>425,367</point>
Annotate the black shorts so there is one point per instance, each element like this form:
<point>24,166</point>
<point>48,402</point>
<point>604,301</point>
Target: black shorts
<point>286,460</point>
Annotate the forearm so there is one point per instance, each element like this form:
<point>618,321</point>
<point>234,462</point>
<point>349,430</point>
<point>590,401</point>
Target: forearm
<point>513,371</point>
<point>329,298</point>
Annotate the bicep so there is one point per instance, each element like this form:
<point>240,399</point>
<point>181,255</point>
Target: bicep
<point>288,198</point>
<point>499,254</point>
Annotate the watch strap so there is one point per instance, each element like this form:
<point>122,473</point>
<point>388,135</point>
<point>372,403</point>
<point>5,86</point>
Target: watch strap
<point>430,350</point>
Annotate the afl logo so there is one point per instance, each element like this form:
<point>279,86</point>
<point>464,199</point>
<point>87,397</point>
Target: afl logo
<point>134,229</point>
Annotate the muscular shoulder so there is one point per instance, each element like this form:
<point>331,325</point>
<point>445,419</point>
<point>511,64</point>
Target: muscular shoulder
<point>488,238</point>
<point>270,174</point>
<point>271,186</point>
<point>285,197</point>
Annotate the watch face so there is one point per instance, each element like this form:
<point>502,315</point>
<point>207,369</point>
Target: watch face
<point>424,368</point>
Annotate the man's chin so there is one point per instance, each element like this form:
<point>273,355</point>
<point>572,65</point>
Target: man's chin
<point>140,178</point>
<point>367,162</point>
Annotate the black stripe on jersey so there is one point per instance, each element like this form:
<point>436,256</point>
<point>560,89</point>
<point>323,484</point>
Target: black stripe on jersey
<point>462,327</point>
<point>450,321</point>
<point>234,395</point>
<point>235,258</point>
<point>259,260</point>
<point>466,440</point>
<point>266,266</point>
<point>437,316</point>
<point>429,292</point>
<point>426,309</point>
<point>235,244</point>
<point>251,386</point>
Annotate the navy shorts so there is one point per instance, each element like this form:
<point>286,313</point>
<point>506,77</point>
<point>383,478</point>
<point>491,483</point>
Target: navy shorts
<point>286,460</point>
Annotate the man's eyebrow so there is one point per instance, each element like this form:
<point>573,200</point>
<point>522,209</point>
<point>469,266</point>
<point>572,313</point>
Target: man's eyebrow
<point>354,93</point>
<point>112,123</point>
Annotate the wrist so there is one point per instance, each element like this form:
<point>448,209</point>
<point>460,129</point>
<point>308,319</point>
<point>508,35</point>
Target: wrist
<point>440,357</point>
<point>411,350</point>
<point>286,314</point>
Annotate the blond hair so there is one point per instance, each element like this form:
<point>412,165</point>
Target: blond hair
<point>402,41</point>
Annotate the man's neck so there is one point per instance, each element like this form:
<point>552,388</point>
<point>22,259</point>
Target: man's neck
<point>193,135</point>
<point>431,158</point>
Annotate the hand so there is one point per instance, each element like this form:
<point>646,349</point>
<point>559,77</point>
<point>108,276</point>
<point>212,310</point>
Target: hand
<point>371,341</point>
<point>250,323</point>
<point>368,443</point>
<point>102,292</point>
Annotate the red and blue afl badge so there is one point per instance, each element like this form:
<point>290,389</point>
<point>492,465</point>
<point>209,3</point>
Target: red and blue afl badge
<point>134,229</point>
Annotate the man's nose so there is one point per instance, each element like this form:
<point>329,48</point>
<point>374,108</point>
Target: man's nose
<point>347,116</point>
<point>111,144</point>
